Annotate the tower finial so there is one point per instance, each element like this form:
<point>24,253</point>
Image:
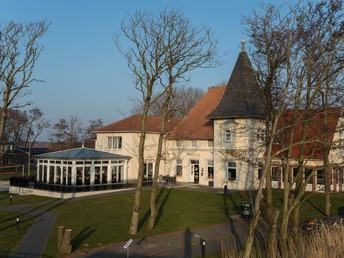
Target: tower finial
<point>243,45</point>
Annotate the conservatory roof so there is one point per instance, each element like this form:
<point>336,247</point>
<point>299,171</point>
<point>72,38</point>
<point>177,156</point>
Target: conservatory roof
<point>81,154</point>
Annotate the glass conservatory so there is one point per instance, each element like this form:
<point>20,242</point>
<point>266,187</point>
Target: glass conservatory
<point>81,169</point>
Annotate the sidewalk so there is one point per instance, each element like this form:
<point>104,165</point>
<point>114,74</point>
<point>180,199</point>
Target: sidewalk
<point>185,243</point>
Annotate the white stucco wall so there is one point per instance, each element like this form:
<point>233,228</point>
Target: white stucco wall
<point>130,147</point>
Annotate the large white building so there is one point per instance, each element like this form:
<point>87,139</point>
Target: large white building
<point>220,142</point>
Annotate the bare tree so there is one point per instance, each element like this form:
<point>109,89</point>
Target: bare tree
<point>35,125</point>
<point>19,51</point>
<point>297,54</point>
<point>183,99</point>
<point>89,134</point>
<point>165,48</point>
<point>188,48</point>
<point>145,60</point>
<point>67,133</point>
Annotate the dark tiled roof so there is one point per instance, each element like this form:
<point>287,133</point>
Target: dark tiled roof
<point>133,124</point>
<point>195,125</point>
<point>80,154</point>
<point>242,98</point>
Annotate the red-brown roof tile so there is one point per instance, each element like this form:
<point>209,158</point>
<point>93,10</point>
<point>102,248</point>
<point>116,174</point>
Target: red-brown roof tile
<point>318,133</point>
<point>195,125</point>
<point>133,124</point>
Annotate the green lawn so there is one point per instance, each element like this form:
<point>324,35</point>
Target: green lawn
<point>9,234</point>
<point>100,221</point>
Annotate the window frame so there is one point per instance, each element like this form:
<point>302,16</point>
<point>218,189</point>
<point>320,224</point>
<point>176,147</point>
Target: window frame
<point>228,135</point>
<point>231,169</point>
<point>210,168</point>
<point>179,166</point>
<point>274,173</point>
<point>115,142</point>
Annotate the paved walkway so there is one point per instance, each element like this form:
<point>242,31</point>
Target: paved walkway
<point>184,244</point>
<point>34,241</point>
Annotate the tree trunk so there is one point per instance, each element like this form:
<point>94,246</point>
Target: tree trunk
<point>273,235</point>
<point>327,175</point>
<point>137,201</point>
<point>296,220</point>
<point>153,206</point>
<point>269,199</point>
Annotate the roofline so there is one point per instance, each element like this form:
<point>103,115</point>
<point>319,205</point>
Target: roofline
<point>235,117</point>
<point>129,131</point>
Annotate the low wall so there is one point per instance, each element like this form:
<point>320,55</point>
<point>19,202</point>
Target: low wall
<point>30,191</point>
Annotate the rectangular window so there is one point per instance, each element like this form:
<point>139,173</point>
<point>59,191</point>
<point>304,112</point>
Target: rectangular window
<point>274,173</point>
<point>148,174</point>
<point>260,173</point>
<point>228,135</point>
<point>179,167</point>
<point>210,143</point>
<point>308,171</point>
<point>210,168</point>
<point>115,143</point>
<point>231,168</point>
<point>194,143</point>
<point>260,135</point>
<point>320,177</point>
<point>178,143</point>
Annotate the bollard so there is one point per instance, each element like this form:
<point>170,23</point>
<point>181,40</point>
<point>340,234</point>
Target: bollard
<point>11,199</point>
<point>17,225</point>
<point>203,242</point>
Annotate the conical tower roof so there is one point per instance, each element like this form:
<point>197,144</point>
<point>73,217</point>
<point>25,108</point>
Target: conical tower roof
<point>243,98</point>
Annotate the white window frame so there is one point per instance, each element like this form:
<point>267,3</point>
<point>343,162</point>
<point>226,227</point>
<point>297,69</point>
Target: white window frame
<point>115,142</point>
<point>228,135</point>
<point>179,164</point>
<point>210,165</point>
<point>274,169</point>
<point>231,165</point>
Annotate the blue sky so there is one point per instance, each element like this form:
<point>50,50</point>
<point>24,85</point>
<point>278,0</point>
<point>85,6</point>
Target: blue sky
<point>85,75</point>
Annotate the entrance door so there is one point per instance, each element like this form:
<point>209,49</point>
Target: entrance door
<point>194,171</point>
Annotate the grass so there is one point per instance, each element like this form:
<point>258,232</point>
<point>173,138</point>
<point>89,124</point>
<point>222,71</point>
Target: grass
<point>111,221</point>
<point>101,221</point>
<point>9,234</point>
<point>21,199</point>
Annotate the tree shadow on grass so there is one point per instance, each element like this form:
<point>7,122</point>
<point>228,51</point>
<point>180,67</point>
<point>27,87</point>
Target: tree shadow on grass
<point>161,208</point>
<point>147,214</point>
<point>316,207</point>
<point>232,225</point>
<point>81,237</point>
<point>35,212</point>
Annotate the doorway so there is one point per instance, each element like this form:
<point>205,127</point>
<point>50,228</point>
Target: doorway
<point>194,171</point>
